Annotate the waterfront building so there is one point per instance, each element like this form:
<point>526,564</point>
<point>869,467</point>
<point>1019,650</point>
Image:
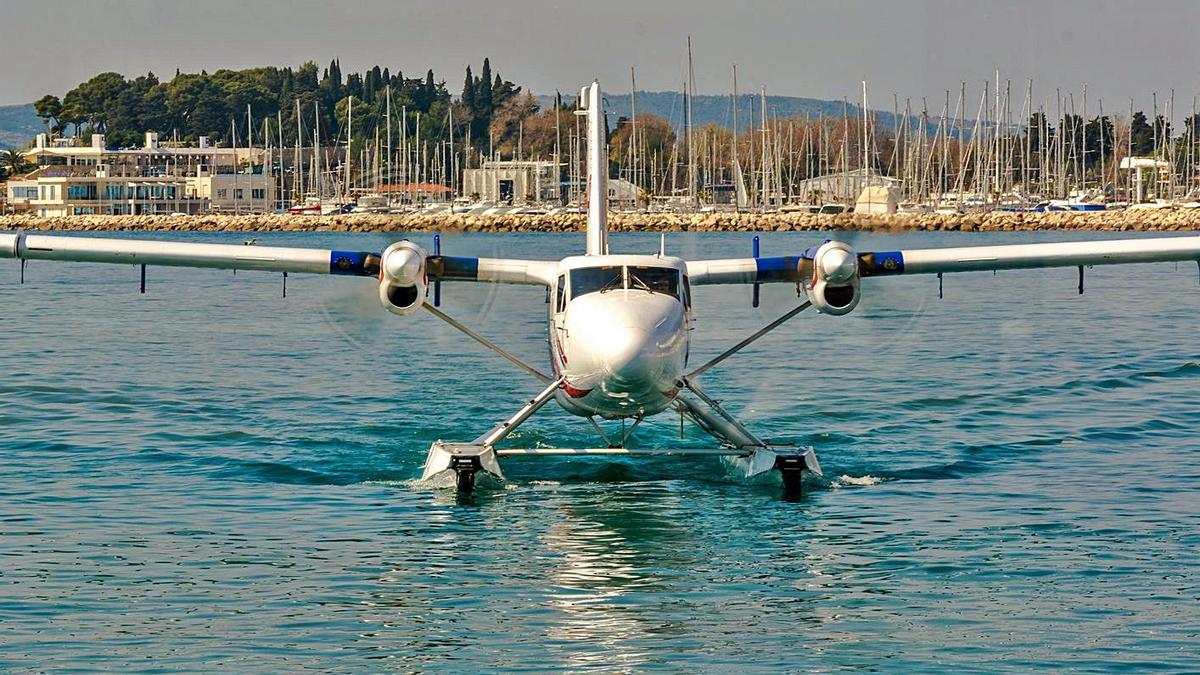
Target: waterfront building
<point>843,187</point>
<point>514,182</point>
<point>73,179</point>
<point>414,193</point>
<point>622,193</point>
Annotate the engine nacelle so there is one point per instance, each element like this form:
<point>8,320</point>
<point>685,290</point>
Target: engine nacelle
<point>834,288</point>
<point>403,282</point>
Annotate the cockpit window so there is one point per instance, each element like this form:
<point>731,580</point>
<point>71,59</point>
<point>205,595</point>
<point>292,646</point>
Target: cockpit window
<point>655,279</point>
<point>586,280</point>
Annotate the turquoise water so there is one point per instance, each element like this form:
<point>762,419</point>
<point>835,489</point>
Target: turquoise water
<point>211,477</point>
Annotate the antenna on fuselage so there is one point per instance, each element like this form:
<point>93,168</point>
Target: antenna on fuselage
<point>597,170</point>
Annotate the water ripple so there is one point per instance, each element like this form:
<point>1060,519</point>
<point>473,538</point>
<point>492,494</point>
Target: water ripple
<point>213,475</point>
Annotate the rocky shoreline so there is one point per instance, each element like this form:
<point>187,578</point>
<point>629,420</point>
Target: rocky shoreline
<point>1129,220</point>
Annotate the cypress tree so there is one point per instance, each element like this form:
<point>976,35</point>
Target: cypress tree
<point>468,93</point>
<point>430,90</point>
<point>483,96</point>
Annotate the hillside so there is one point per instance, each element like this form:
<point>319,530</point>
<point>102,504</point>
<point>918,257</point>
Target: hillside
<point>718,109</point>
<point>18,125</point>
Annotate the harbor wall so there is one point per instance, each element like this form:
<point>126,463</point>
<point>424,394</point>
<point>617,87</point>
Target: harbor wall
<point>1127,220</point>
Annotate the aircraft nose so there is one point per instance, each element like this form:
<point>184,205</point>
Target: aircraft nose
<point>627,353</point>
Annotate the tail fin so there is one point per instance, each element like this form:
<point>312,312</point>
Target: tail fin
<point>597,168</point>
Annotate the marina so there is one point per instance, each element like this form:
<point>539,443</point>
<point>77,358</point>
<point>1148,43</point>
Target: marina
<point>991,146</point>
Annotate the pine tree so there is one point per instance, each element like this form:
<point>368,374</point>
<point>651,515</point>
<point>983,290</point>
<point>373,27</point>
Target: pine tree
<point>1142,134</point>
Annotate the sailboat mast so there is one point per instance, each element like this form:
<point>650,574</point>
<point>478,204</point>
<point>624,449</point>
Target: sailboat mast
<point>237,204</point>
<point>737,172</point>
<point>633,129</point>
<point>317,178</point>
<point>691,148</point>
<point>388,124</point>
<point>279,126</point>
<point>349,136</point>
<point>865,145</point>
<point>558,144</point>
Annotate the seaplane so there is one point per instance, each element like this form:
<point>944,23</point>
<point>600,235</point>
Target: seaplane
<point>618,325</point>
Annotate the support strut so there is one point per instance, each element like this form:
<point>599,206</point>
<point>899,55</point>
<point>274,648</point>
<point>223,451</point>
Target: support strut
<point>487,343</point>
<point>748,341</point>
<point>758,457</point>
<point>467,460</point>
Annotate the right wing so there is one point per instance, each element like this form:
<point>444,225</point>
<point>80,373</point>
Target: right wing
<point>269,258</point>
<point>404,270</point>
<point>186,254</point>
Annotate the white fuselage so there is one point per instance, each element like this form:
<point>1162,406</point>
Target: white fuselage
<point>619,333</point>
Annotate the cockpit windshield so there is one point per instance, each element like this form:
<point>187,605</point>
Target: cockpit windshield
<point>655,279</point>
<point>586,280</point>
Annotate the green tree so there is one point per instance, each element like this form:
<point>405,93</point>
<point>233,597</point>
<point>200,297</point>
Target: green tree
<point>13,162</point>
<point>96,98</point>
<point>468,94</point>
<point>49,108</point>
<point>196,106</point>
<point>1142,134</point>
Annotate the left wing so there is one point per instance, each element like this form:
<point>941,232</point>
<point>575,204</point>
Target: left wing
<point>831,272</point>
<point>1030,256</point>
<point>939,260</point>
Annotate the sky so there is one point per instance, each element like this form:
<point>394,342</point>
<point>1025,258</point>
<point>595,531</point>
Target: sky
<point>818,49</point>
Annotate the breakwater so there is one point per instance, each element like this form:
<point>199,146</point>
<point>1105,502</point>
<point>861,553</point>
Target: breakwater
<point>1127,220</point>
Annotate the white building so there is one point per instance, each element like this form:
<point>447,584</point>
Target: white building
<point>622,193</point>
<point>513,182</point>
<point>86,180</point>
<point>843,187</point>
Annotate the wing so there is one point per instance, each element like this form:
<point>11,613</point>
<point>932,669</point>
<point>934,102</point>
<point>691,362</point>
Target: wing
<point>187,254</point>
<point>944,260</point>
<point>1029,256</point>
<point>269,258</point>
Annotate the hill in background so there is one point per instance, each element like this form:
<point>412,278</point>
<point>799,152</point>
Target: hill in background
<point>18,125</point>
<point>718,110</point>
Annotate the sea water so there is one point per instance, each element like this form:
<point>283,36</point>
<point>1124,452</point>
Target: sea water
<point>214,477</point>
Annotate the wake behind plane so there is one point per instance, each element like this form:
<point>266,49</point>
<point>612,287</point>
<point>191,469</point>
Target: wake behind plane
<point>619,326</point>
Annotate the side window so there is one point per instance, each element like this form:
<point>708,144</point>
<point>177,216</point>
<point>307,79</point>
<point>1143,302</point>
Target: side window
<point>687,293</point>
<point>560,302</point>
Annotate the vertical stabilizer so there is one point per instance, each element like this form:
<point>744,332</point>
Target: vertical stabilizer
<point>597,171</point>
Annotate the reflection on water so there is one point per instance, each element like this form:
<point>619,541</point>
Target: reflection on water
<point>1011,480</point>
<point>608,555</point>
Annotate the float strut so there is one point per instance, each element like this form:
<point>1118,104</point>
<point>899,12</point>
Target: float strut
<point>754,300</point>
<point>1081,279</point>
<point>437,285</point>
<point>285,284</point>
<point>939,285</point>
<point>143,286</point>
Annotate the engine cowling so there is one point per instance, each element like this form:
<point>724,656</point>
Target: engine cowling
<point>403,281</point>
<point>834,287</point>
